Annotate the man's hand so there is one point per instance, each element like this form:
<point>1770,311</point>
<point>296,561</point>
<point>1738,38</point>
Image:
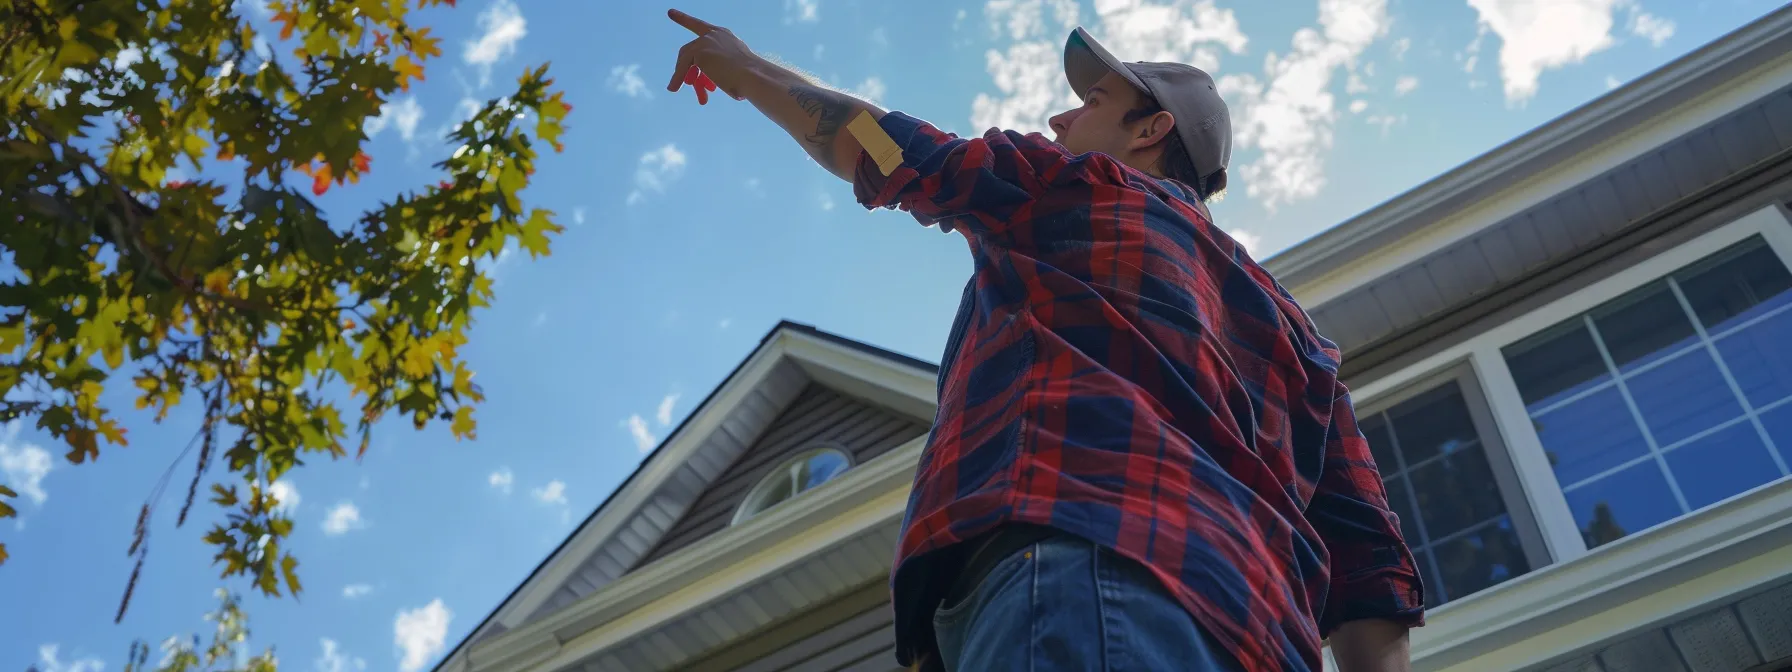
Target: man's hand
<point>812,114</point>
<point>716,58</point>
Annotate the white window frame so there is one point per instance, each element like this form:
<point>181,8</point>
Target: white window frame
<point>1483,354</point>
<point>785,469</point>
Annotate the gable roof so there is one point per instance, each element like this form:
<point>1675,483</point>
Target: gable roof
<point>645,505</point>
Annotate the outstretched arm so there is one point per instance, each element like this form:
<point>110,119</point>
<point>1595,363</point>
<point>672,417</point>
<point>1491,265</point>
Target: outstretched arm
<point>814,115</point>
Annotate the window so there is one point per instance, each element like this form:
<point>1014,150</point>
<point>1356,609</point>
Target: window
<point>1442,482</point>
<point>804,472</point>
<point>1667,399</point>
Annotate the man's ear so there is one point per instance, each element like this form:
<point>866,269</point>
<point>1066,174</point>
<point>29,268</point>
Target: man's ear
<point>1153,130</point>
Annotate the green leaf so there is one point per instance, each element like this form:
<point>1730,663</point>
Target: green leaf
<point>288,567</point>
<point>534,236</point>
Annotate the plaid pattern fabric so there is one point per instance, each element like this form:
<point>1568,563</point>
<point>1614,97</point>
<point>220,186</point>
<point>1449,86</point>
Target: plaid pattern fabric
<point>1121,370</point>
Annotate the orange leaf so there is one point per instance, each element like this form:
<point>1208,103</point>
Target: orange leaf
<point>288,20</point>
<point>320,180</point>
<point>379,40</point>
<point>363,162</point>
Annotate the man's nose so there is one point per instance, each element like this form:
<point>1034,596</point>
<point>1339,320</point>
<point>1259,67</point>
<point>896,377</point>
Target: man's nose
<point>1060,124</point>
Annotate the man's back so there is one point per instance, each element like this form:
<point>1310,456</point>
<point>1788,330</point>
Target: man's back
<point>1122,371</point>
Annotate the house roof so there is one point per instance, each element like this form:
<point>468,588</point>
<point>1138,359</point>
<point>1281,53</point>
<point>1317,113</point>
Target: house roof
<point>706,408</point>
<point>1540,163</point>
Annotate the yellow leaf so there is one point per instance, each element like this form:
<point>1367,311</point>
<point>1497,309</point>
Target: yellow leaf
<point>66,27</point>
<point>12,336</point>
<point>407,70</point>
<point>113,433</point>
<point>218,281</point>
<point>2,554</point>
<point>463,423</point>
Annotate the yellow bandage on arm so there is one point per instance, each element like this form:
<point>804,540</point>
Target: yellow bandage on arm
<point>876,142</point>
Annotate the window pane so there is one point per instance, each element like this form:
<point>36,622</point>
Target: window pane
<point>1589,436</point>
<point>1456,493</point>
<point>1433,423</point>
<point>1760,358</point>
<point>1643,326</point>
<point>1401,505</point>
<point>1556,364</point>
<point>1683,397</point>
<point>1722,464</point>
<point>821,468</point>
<point>1381,443</point>
<point>1622,504</point>
<point>1736,284</point>
<point>1479,559</point>
<point>1778,422</point>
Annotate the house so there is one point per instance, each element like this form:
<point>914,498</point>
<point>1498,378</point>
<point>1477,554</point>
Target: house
<point>1570,355</point>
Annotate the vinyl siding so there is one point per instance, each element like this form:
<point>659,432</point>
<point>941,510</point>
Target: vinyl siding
<point>818,414</point>
<point>850,634</point>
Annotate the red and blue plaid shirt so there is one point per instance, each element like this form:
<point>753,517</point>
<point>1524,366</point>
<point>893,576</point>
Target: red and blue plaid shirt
<point>1121,370</point>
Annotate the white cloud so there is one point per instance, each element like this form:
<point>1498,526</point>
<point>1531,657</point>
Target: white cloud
<point>1354,84</point>
<point>1405,85</point>
<point>541,318</point>
<point>258,7</point>
<point>824,201</point>
<point>1029,73</point>
<point>1400,47</point>
<point>24,465</point>
<point>872,89</point>
<point>626,80</point>
<point>657,169</point>
<point>501,480</point>
<point>354,590</point>
<point>1386,121</point>
<point>1249,241</point>
<point>287,494</point>
<point>501,26</point>
<point>818,51</point>
<point>1537,36</point>
<point>420,634</point>
<point>1357,106</point>
<point>879,37</point>
<point>664,414</point>
<point>342,518</point>
<point>637,428</point>
<point>806,11</point>
<point>552,493</point>
<point>1289,116</point>
<point>725,323</point>
<point>1471,54</point>
<point>958,19</point>
<point>404,113</point>
<point>753,186</point>
<point>334,660</point>
<point>578,215</point>
<point>1648,26</point>
<point>1611,82</point>
<point>49,661</point>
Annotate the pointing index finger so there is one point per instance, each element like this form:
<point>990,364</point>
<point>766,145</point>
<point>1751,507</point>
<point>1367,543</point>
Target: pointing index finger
<point>691,23</point>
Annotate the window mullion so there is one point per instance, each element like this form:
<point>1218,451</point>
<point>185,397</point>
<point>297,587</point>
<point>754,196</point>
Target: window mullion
<point>1536,478</point>
<point>1729,379</point>
<point>1636,414</point>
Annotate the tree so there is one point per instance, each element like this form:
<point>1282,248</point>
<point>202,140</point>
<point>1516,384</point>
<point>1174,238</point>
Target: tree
<point>227,652</point>
<point>232,290</point>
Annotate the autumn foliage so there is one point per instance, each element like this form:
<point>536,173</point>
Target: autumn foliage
<point>289,334</point>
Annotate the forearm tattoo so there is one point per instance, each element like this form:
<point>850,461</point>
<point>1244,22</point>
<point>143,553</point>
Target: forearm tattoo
<point>829,109</point>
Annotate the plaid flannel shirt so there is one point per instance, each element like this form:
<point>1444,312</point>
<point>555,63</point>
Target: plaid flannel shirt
<point>1121,370</point>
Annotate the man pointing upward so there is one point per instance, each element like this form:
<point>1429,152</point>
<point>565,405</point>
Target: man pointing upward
<point>1142,457</point>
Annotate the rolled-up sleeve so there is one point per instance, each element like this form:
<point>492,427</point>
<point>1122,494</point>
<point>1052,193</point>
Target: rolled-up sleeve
<point>1373,574</point>
<point>986,185</point>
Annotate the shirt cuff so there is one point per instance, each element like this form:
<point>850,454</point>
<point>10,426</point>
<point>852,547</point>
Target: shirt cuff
<point>874,190</point>
<point>1389,593</point>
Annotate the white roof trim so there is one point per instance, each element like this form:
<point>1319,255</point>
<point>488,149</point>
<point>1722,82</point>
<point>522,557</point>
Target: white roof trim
<point>717,565</point>
<point>1595,137</point>
<point>900,385</point>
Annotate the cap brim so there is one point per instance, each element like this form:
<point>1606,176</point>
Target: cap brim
<point>1086,62</point>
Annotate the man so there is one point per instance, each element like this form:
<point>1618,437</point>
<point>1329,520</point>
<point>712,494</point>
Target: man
<point>1142,457</point>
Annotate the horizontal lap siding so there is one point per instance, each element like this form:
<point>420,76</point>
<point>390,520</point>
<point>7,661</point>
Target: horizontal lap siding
<point>818,414</point>
<point>853,633</point>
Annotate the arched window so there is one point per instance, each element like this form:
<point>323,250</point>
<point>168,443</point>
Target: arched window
<point>808,469</point>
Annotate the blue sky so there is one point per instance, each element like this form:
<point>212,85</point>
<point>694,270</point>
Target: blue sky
<point>692,230</point>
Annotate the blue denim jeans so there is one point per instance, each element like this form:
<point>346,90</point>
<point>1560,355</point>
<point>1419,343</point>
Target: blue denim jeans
<point>1067,604</point>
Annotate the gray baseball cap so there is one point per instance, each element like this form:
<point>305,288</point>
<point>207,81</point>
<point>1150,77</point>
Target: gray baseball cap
<point>1186,92</point>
